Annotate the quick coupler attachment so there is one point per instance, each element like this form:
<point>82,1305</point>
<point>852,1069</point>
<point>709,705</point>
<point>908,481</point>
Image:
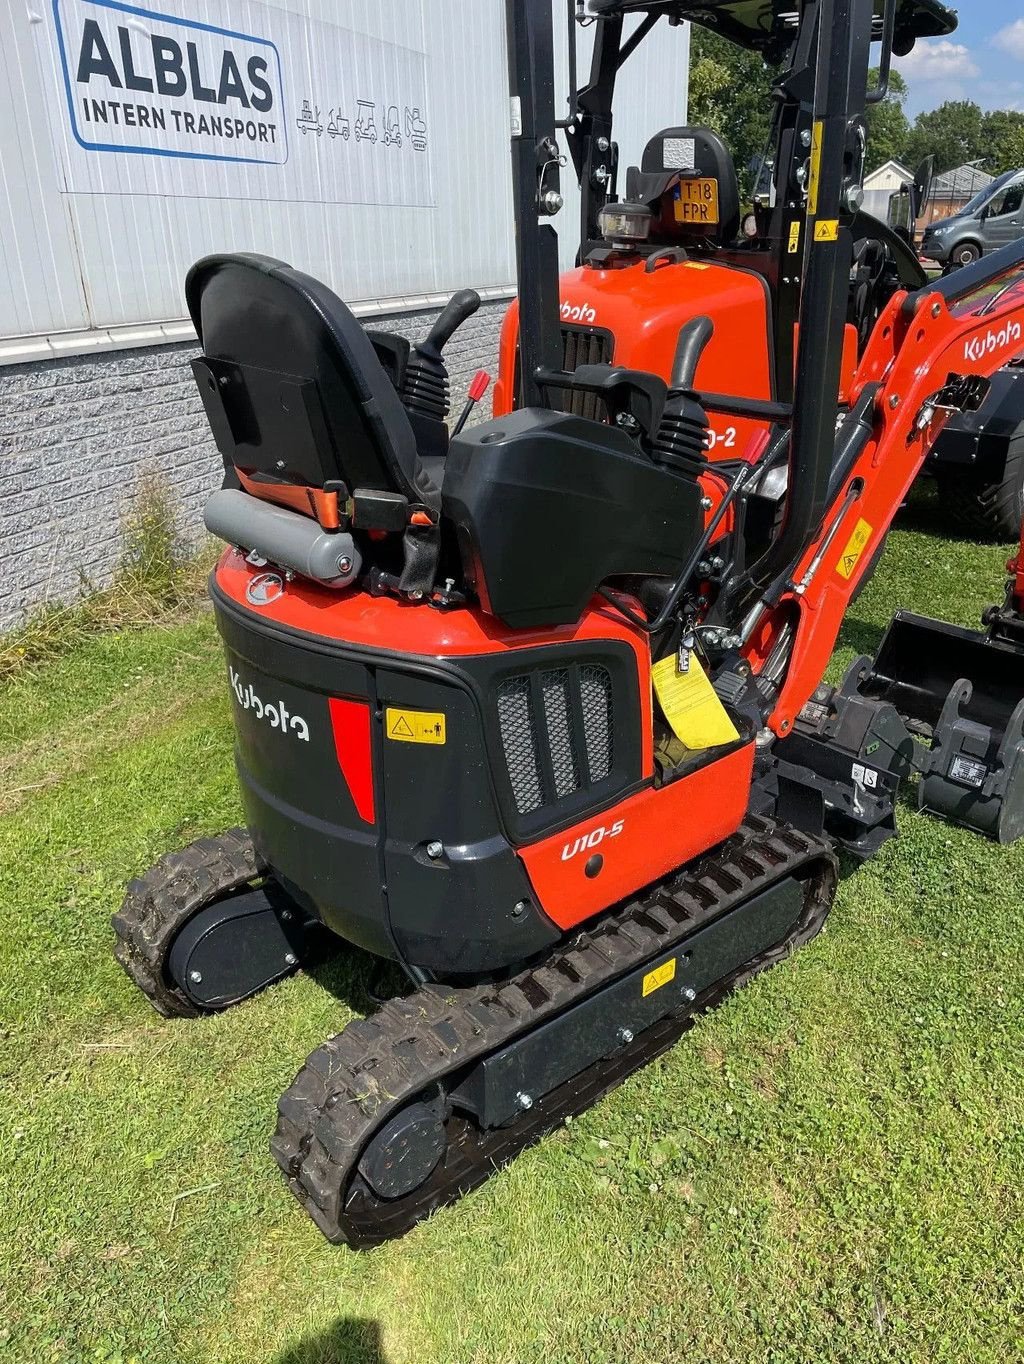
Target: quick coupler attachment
<point>839,772</point>
<point>963,690</point>
<point>975,772</point>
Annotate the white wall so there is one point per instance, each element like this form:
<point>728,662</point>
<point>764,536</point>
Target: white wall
<point>83,248</point>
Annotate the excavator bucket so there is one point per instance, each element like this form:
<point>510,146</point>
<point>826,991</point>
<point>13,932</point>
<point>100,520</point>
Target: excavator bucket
<point>963,690</point>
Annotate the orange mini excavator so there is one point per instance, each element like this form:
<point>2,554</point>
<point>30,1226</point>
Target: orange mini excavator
<point>535,710</point>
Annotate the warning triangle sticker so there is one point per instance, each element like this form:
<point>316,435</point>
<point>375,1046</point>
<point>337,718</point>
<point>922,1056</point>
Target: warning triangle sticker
<point>850,563</point>
<point>401,727</point>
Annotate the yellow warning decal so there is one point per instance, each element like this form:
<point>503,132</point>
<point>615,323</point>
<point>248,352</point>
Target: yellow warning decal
<point>826,230</point>
<point>794,238</point>
<point>414,726</point>
<point>661,975</point>
<point>691,705</point>
<point>696,265</point>
<point>817,142</point>
<point>850,556</point>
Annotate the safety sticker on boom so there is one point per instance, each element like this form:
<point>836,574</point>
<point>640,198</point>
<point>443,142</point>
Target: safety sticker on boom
<point>850,557</point>
<point>414,726</point>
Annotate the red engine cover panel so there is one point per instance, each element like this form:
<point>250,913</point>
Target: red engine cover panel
<point>638,841</point>
<point>644,313</point>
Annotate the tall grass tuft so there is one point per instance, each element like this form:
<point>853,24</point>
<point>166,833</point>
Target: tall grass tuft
<point>157,578</point>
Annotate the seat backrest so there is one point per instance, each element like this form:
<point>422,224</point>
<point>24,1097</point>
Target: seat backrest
<point>292,385</point>
<point>697,155</point>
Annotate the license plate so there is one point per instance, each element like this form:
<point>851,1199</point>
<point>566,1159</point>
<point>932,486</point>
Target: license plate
<point>697,202</point>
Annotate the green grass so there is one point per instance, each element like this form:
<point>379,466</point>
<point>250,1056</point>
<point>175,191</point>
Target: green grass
<point>828,1168</point>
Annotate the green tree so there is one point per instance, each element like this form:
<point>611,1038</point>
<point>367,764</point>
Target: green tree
<point>1004,137</point>
<point>730,92</point>
<point>954,134</point>
<point>888,125</point>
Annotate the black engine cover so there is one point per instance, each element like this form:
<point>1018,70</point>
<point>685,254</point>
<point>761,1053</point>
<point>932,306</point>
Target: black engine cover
<point>547,505</point>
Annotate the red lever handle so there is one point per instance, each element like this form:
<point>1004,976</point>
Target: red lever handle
<point>477,389</point>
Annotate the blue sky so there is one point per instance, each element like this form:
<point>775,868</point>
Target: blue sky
<point>983,60</point>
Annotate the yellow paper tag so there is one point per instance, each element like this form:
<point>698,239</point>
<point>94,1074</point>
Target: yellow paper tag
<point>850,557</point>
<point>661,975</point>
<point>817,142</point>
<point>414,726</point>
<point>697,717</point>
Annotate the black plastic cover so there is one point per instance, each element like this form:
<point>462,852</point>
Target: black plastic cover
<point>548,505</point>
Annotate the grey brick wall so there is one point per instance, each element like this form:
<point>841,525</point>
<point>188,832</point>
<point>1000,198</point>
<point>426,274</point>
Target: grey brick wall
<point>78,434</point>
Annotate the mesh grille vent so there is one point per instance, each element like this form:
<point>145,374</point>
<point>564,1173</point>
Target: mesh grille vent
<point>519,740</point>
<point>556,732</point>
<point>596,698</point>
<point>555,687</point>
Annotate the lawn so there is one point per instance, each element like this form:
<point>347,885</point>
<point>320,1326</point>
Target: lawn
<point>828,1168</point>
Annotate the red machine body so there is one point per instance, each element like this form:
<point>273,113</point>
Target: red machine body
<point>535,708</point>
<point>631,317</point>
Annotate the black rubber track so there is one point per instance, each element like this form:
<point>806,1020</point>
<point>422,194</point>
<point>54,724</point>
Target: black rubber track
<point>990,511</point>
<point>158,904</point>
<point>411,1047</point>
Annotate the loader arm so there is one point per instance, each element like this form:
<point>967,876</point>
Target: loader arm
<point>963,328</point>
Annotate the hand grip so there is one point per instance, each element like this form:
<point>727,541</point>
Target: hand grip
<point>693,338</point>
<point>460,306</point>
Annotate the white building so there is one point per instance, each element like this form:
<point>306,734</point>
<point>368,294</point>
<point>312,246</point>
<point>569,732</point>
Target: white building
<point>365,141</point>
<point>881,185</point>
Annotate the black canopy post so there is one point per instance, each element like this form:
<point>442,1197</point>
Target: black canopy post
<point>840,89</point>
<point>535,190</point>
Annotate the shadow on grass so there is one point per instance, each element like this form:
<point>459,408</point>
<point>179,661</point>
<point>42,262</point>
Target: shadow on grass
<point>861,636</point>
<point>352,1340</point>
<point>354,977</point>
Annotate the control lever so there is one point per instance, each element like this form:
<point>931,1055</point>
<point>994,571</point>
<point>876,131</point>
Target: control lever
<point>458,308</point>
<point>425,385</point>
<point>681,440</point>
<point>477,389</point>
<point>693,340</point>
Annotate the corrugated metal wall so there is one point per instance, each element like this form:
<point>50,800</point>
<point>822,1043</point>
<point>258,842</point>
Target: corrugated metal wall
<point>73,260</point>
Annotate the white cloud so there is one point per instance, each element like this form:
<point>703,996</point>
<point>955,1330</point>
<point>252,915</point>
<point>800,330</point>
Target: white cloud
<point>1011,39</point>
<point>939,61</point>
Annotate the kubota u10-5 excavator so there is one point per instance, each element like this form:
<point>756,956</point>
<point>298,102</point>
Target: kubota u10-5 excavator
<point>535,711</point>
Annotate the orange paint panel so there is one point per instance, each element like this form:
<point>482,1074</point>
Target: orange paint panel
<point>644,312</point>
<point>640,840</point>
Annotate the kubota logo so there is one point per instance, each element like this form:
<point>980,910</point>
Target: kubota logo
<point>981,346</point>
<point>580,312</point>
<point>276,714</point>
<point>587,842</point>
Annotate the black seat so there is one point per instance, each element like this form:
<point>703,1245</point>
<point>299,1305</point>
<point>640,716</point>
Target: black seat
<point>293,387</point>
<point>676,155</point>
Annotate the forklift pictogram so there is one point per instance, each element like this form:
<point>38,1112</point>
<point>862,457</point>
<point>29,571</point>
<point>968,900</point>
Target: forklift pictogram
<point>366,128</point>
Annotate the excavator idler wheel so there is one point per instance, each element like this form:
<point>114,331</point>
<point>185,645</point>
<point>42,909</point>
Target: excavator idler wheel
<point>204,928</point>
<point>404,1152</point>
